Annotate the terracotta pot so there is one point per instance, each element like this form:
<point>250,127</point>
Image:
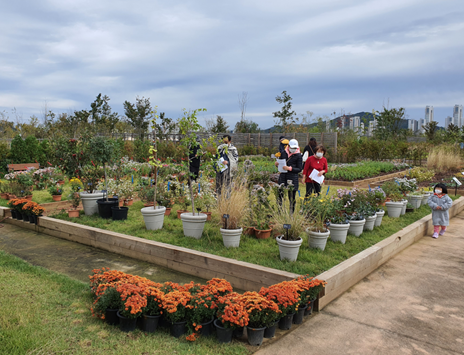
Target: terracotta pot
<point>262,234</point>
<point>11,197</point>
<point>147,204</point>
<point>208,214</point>
<point>73,213</point>
<point>56,197</point>
<point>128,202</point>
<point>28,197</point>
<point>4,195</point>
<point>179,212</point>
<point>121,203</point>
<point>168,211</point>
<point>60,182</point>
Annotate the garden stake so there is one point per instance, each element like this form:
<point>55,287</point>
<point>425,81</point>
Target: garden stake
<point>328,188</point>
<point>287,227</point>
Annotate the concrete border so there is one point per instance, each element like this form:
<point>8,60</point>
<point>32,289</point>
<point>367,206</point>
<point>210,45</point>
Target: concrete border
<point>242,275</point>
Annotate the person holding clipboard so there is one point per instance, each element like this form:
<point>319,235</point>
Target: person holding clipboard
<point>290,164</point>
<point>315,162</point>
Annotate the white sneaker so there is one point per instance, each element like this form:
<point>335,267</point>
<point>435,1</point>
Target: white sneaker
<point>435,235</point>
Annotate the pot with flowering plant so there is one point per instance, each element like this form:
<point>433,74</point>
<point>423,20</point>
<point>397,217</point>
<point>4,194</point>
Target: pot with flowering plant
<point>287,298</point>
<point>27,211</point>
<point>308,289</point>
<point>262,314</point>
<point>202,314</point>
<point>107,302</point>
<point>176,307</point>
<point>12,208</point>
<point>37,211</point>
<point>317,209</point>
<point>261,211</point>
<point>370,214</point>
<point>357,221</point>
<point>74,196</point>
<point>154,215</point>
<point>338,223</point>
<point>231,314</point>
<point>133,301</point>
<point>90,175</point>
<point>395,205</point>
<point>165,197</point>
<point>18,205</point>
<point>56,191</point>
<point>152,312</point>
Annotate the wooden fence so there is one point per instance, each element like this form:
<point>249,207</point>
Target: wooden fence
<point>270,140</point>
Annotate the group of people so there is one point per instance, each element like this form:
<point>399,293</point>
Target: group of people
<point>296,162</point>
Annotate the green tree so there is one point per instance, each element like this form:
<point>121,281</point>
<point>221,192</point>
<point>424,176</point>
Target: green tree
<point>164,126</point>
<point>103,119</point>
<point>286,118</point>
<point>18,150</point>
<point>246,126</point>
<point>389,124</point>
<point>139,115</point>
<point>430,129</point>
<point>453,133</point>
<point>217,125</point>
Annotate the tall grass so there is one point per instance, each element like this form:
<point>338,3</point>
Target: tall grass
<point>234,201</point>
<point>445,158</point>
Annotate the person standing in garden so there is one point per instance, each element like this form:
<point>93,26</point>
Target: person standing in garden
<point>309,150</point>
<point>194,160</point>
<point>440,203</point>
<point>228,157</point>
<point>293,167</point>
<point>319,163</point>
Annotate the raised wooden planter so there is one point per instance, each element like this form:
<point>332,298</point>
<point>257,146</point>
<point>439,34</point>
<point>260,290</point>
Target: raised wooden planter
<point>242,275</point>
<point>365,182</point>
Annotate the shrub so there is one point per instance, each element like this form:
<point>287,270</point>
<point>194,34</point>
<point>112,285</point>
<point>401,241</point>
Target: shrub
<point>444,158</point>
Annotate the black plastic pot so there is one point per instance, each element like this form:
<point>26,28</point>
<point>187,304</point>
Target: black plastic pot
<point>13,214</point>
<point>224,335</point>
<point>111,316</point>
<point>31,219</point>
<point>255,336</point>
<point>309,310</point>
<point>178,329</point>
<point>298,317</point>
<point>25,218</point>
<point>285,323</point>
<point>119,213</point>
<point>238,332</point>
<point>150,323</point>
<point>104,207</point>
<point>207,328</point>
<point>270,331</point>
<point>19,216</point>
<point>127,324</point>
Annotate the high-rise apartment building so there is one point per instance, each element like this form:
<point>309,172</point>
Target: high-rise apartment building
<point>457,116</point>
<point>448,121</point>
<point>428,114</point>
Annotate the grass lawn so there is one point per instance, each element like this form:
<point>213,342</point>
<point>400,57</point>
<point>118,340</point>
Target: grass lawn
<point>42,312</point>
<point>261,252</point>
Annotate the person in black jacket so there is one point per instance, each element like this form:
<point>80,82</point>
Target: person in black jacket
<point>293,167</point>
<point>310,148</point>
<point>194,161</point>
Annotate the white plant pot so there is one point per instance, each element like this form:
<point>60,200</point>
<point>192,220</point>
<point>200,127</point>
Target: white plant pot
<point>403,211</point>
<point>425,198</point>
<point>378,220</point>
<point>288,248</point>
<point>370,222</point>
<point>193,224</point>
<point>317,240</point>
<point>89,202</point>
<point>153,217</point>
<point>415,201</point>
<point>356,227</point>
<point>231,237</point>
<point>338,232</point>
<point>394,209</point>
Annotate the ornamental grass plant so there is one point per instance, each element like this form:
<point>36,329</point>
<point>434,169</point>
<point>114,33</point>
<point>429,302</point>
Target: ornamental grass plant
<point>445,158</point>
<point>234,201</point>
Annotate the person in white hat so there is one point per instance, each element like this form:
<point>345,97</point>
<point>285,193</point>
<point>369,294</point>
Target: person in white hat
<point>294,165</point>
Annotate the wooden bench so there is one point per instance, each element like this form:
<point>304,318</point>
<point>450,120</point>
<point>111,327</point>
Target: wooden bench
<point>20,167</point>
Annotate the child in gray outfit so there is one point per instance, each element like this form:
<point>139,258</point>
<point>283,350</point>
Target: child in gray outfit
<point>440,203</point>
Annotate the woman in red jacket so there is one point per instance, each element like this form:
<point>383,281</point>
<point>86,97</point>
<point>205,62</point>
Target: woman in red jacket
<point>318,162</point>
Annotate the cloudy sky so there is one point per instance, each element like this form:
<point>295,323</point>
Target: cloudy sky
<point>330,56</point>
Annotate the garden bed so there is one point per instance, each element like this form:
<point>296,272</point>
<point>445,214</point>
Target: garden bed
<point>255,264</point>
<point>365,182</point>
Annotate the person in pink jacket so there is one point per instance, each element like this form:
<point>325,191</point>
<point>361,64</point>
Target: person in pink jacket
<point>318,162</point>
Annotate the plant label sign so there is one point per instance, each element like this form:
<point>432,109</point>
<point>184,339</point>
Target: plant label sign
<point>225,216</point>
<point>287,226</point>
<point>459,183</point>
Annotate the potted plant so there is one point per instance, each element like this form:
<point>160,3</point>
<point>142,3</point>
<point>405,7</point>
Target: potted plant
<point>152,312</point>
<point>308,289</point>
<point>107,302</point>
<point>202,313</point>
<point>74,196</point>
<point>165,197</point>
<point>154,216</point>
<point>262,313</point>
<point>380,212</point>
<point>193,223</point>
<point>56,191</point>
<point>231,314</point>
<point>4,189</point>
<point>37,211</point>
<point>261,210</point>
<point>102,151</point>
<point>289,228</point>
<point>426,192</point>
<point>208,196</point>
<point>90,175</point>
<point>287,298</point>
<point>232,207</point>
<point>337,222</point>
<point>357,222</point>
<point>27,211</point>
<point>176,305</point>
<point>133,301</point>
<point>415,199</point>
<point>317,209</point>
<point>369,213</point>
<point>395,205</point>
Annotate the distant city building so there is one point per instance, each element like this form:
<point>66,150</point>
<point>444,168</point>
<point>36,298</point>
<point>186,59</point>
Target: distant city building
<point>421,125</point>
<point>413,125</point>
<point>457,115</point>
<point>448,121</point>
<point>428,114</point>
